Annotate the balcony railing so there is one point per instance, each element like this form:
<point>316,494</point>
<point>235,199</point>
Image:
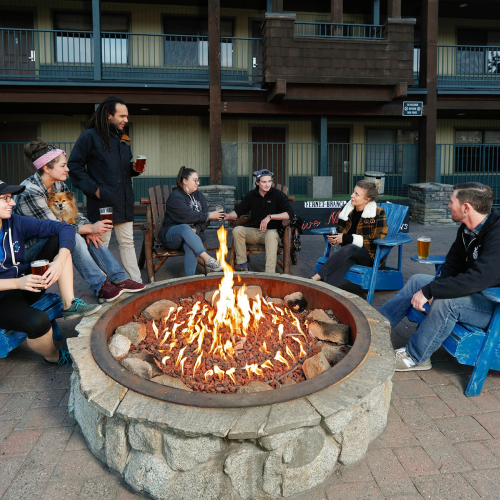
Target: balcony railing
<point>416,64</point>
<point>134,57</point>
<point>334,30</point>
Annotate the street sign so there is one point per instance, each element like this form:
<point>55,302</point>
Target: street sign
<point>413,108</point>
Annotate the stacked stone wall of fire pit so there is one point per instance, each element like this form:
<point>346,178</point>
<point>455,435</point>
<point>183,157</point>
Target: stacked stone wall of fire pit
<point>172,451</point>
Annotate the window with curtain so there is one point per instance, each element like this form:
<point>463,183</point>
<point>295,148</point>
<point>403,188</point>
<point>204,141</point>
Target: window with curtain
<point>186,41</point>
<point>477,150</point>
<point>73,40</point>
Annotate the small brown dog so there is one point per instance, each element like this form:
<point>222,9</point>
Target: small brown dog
<point>63,206</point>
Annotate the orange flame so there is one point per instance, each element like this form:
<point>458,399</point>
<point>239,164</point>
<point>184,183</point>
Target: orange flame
<point>208,373</point>
<point>228,347</point>
<point>267,364</point>
<point>183,360</point>
<point>280,358</point>
<point>155,330</point>
<point>230,374</point>
<point>280,332</point>
<point>165,359</point>
<point>302,352</point>
<point>170,311</point>
<point>181,352</point>
<point>197,364</point>
<point>219,372</point>
<point>263,348</point>
<point>290,353</point>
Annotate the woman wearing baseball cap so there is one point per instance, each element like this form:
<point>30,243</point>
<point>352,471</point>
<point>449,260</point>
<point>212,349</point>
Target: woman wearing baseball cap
<point>19,289</point>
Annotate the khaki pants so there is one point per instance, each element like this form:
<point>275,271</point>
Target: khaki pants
<point>243,236</point>
<point>124,232</point>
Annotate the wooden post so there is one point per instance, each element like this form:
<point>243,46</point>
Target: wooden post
<point>394,9</point>
<point>215,91</point>
<point>337,11</point>
<point>269,6</point>
<point>323,136</point>
<point>96,35</point>
<point>277,5</point>
<point>376,12</point>
<point>428,79</point>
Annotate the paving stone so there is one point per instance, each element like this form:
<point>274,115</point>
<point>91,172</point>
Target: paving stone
<point>486,401</point>
<point>62,491</point>
<point>354,473</point>
<point>17,405</point>
<point>48,398</point>
<point>40,418</point>
<point>104,488</point>
<point>414,388</point>
<point>459,403</point>
<point>478,455</point>
<point>19,443</point>
<point>6,427</point>
<point>77,441</point>
<point>445,487</point>
<point>486,482</point>
<point>76,466</point>
<point>462,429</point>
<point>451,367</point>
<point>396,434</point>
<point>435,407</point>
<point>27,485</point>
<point>9,467</point>
<point>355,491</point>
<point>491,422</point>
<point>415,461</point>
<point>393,415</point>
<point>398,376</point>
<point>493,445</point>
<point>412,414</point>
<point>432,377</point>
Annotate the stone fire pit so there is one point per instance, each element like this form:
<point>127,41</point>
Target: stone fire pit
<point>175,444</point>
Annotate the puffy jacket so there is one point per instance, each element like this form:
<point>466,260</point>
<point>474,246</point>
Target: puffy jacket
<point>18,229</point>
<point>91,168</point>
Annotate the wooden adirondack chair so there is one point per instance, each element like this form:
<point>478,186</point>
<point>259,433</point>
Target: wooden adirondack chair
<point>51,303</point>
<point>472,346</point>
<point>152,252</point>
<point>286,251</point>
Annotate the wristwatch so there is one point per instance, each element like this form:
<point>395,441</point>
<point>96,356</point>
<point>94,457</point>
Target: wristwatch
<point>270,218</point>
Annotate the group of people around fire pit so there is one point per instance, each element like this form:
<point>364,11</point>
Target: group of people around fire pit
<point>101,166</point>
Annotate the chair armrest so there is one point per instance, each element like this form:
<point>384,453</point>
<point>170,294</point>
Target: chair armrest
<point>286,222</point>
<point>144,201</point>
<point>146,226</point>
<point>239,222</point>
<point>394,241</point>
<point>492,294</point>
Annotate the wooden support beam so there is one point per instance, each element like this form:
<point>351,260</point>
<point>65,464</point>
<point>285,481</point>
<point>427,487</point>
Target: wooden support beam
<point>394,9</point>
<point>376,12</point>
<point>215,91</point>
<point>277,5</point>
<point>400,90</point>
<point>337,11</point>
<point>278,91</point>
<point>96,35</point>
<point>323,137</point>
<point>428,79</point>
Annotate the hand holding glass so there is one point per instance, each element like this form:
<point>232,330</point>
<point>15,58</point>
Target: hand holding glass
<point>220,208</point>
<point>140,163</point>
<point>333,246</point>
<point>106,213</point>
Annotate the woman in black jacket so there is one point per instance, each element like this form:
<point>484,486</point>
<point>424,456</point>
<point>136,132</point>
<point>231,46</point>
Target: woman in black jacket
<point>186,218</point>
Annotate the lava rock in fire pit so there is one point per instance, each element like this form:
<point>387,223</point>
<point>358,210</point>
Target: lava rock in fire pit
<point>158,310</point>
<point>296,302</point>
<point>136,332</point>
<point>254,386</point>
<point>138,367</point>
<point>315,365</point>
<point>333,332</point>
<point>171,382</point>
<point>319,315</point>
<point>119,345</point>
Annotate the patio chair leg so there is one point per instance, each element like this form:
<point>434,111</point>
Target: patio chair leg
<point>142,256</point>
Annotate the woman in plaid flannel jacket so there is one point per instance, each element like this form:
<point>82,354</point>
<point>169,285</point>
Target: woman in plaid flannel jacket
<point>361,222</point>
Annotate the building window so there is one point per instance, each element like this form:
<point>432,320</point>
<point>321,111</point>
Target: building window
<point>387,149</point>
<point>478,51</point>
<point>73,40</point>
<point>477,150</point>
<point>186,41</point>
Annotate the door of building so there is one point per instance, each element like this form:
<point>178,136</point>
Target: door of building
<point>269,151</point>
<point>338,158</point>
<point>17,54</point>
<point>14,166</point>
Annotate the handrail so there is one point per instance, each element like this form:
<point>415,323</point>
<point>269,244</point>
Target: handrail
<point>339,30</point>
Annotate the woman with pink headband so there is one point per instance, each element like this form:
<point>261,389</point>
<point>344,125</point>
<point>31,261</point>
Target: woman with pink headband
<point>91,257</point>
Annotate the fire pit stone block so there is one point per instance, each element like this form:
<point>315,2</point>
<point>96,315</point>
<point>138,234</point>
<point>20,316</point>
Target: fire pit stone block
<point>138,367</point>
<point>117,447</point>
<point>144,438</point>
<point>278,440</point>
<point>159,309</point>
<point>291,415</point>
<point>119,345</point>
<point>355,438</point>
<point>136,332</point>
<point>315,365</point>
<point>251,424</point>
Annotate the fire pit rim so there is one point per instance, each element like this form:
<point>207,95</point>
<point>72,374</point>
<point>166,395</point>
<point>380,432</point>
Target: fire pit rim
<point>111,367</point>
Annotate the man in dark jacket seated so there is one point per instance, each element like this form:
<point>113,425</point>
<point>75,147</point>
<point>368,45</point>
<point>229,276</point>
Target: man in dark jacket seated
<point>454,295</point>
<point>268,207</point>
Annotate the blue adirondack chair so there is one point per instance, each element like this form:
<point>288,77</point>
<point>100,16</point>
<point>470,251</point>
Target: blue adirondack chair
<point>472,346</point>
<point>52,305</point>
<point>373,278</point>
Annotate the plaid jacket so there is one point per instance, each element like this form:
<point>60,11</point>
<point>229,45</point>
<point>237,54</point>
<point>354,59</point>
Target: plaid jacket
<point>32,202</point>
<point>371,226</point>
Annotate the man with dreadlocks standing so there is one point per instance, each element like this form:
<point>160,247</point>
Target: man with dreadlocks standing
<point>101,166</point>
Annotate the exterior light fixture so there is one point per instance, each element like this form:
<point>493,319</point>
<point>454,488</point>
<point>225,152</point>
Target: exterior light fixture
<point>144,109</point>
<point>462,5</point>
<point>460,114</point>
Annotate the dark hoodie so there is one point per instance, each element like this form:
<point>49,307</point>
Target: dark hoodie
<point>183,208</point>
<point>18,229</point>
<point>471,264</point>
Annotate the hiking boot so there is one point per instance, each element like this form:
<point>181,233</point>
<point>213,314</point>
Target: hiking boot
<point>214,266</point>
<point>130,286</point>
<point>242,269</point>
<point>78,308</point>
<point>405,364</point>
<point>109,292</point>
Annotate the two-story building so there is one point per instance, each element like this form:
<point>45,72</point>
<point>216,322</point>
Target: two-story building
<point>230,86</point>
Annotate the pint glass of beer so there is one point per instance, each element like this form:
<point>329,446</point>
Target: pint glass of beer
<point>333,246</point>
<point>39,267</point>
<point>106,213</point>
<point>140,163</point>
<point>423,245</point>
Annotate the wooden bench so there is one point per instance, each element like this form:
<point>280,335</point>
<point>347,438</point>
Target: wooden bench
<point>51,303</point>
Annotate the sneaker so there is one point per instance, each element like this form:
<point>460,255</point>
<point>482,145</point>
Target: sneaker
<point>78,308</point>
<point>405,364</point>
<point>109,292</point>
<point>214,266</point>
<point>130,286</point>
<point>242,268</point>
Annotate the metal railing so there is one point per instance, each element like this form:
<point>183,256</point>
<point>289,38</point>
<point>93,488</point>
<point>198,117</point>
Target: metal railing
<point>470,65</point>
<point>334,30</point>
<point>457,163</point>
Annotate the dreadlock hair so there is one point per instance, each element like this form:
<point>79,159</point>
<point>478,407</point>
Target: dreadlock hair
<point>34,149</point>
<point>99,120</point>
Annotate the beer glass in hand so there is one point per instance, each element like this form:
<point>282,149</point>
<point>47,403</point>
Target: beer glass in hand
<point>140,163</point>
<point>333,246</point>
<point>220,208</point>
<point>106,213</point>
<point>423,247</point>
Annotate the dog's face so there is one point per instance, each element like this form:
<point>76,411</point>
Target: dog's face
<point>62,201</point>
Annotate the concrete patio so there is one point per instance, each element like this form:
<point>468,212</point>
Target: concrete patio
<point>438,443</point>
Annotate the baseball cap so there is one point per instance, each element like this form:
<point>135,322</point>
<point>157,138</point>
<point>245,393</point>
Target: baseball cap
<point>262,173</point>
<point>10,189</point>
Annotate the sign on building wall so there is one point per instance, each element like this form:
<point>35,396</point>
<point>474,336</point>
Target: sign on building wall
<point>413,108</point>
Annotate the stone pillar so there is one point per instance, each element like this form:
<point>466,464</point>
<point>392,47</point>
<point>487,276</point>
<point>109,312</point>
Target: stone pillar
<point>218,195</point>
<point>429,203</point>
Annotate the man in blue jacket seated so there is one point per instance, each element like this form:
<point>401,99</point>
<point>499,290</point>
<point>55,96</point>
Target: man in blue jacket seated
<point>268,206</point>
<point>454,295</point>
<point>19,290</point>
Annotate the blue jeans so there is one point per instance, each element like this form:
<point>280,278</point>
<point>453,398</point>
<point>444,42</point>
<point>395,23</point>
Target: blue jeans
<point>31,253</point>
<point>96,264</point>
<point>183,236</point>
<point>474,310</point>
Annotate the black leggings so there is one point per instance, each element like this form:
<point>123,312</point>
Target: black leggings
<point>340,261</point>
<point>16,312</point>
